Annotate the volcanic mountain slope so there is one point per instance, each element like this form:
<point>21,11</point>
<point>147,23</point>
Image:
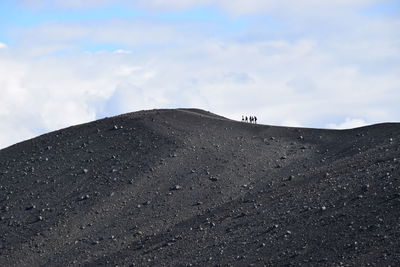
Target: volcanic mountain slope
<point>189,188</point>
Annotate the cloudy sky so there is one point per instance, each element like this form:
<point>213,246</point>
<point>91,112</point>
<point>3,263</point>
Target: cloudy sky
<point>311,63</point>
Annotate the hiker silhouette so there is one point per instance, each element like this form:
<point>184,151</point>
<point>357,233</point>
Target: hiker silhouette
<point>251,119</point>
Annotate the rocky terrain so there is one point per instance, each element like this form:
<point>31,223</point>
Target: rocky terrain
<point>186,187</point>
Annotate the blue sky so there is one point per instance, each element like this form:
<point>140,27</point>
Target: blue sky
<point>326,64</point>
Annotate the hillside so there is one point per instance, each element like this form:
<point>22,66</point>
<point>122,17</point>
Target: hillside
<point>186,187</point>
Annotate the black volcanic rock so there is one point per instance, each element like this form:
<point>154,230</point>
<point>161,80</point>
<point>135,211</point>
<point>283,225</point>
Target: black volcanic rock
<point>189,188</point>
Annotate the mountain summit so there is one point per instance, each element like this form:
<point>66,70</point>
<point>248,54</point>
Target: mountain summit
<point>186,187</point>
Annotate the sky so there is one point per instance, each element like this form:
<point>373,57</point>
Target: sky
<point>308,63</point>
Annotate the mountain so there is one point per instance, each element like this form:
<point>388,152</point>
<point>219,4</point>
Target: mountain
<point>186,187</point>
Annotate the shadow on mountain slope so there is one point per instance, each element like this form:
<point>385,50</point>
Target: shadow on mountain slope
<point>190,188</point>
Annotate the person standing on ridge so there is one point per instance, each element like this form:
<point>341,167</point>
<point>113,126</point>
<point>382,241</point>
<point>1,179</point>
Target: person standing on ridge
<point>246,119</point>
<point>255,119</point>
<point>242,118</point>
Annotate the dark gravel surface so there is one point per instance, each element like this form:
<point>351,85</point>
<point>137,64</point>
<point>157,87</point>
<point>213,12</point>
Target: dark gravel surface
<point>190,188</point>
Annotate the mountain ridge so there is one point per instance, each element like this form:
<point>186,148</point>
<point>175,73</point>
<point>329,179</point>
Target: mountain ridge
<point>190,188</point>
<point>201,112</point>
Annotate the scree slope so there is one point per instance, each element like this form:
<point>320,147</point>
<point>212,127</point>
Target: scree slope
<point>186,187</point>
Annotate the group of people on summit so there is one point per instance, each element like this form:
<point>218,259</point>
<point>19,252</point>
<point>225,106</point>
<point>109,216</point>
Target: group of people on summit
<point>251,119</point>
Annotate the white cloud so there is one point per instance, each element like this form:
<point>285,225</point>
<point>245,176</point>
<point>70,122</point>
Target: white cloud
<point>128,97</point>
<point>287,8</point>
<point>122,51</point>
<point>282,79</point>
<point>290,83</point>
<point>348,124</point>
<point>2,45</point>
<point>311,8</point>
<point>291,123</point>
<point>48,38</point>
<point>44,95</point>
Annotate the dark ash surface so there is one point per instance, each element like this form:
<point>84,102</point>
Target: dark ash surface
<point>190,188</point>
